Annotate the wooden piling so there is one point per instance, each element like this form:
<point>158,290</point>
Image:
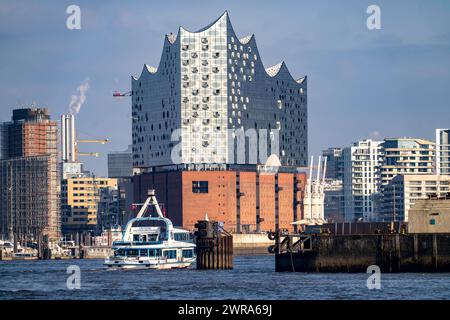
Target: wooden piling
<point>214,247</point>
<point>434,255</point>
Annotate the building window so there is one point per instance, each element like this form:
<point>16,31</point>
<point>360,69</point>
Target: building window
<point>199,186</point>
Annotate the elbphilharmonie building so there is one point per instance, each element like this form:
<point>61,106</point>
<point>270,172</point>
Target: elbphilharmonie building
<point>209,83</point>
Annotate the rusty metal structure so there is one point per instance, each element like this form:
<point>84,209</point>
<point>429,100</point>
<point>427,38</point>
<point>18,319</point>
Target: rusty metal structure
<point>214,246</point>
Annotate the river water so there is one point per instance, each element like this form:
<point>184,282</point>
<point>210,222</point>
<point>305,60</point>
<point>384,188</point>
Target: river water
<point>253,277</point>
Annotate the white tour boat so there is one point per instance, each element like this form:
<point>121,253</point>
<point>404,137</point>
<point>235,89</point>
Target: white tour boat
<point>152,242</point>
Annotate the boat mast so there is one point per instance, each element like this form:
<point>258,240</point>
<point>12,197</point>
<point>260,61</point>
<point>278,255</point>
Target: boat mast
<point>154,202</point>
<point>151,200</point>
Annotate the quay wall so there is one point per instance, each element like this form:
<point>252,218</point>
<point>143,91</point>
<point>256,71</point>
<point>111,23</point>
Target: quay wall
<point>96,252</point>
<point>354,253</point>
<point>251,240</point>
<point>251,243</point>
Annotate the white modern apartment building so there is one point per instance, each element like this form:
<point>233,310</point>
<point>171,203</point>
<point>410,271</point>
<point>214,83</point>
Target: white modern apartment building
<point>442,151</point>
<point>209,82</point>
<point>403,157</point>
<point>403,190</point>
<point>362,163</point>
<point>406,156</point>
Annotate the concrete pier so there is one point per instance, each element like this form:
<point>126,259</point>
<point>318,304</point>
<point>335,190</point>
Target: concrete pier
<point>354,253</point>
<point>93,252</point>
<point>251,243</point>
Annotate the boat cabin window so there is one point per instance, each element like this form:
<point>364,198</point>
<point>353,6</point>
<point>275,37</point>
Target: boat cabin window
<point>188,253</point>
<point>119,253</point>
<point>154,252</point>
<point>132,252</point>
<point>138,252</point>
<point>143,252</point>
<point>170,254</point>
<point>152,237</point>
<point>181,236</point>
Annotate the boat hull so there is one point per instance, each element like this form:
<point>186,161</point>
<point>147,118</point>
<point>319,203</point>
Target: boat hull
<point>142,264</point>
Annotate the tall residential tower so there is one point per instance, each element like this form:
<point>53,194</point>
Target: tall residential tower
<point>362,164</point>
<point>406,156</point>
<point>443,151</point>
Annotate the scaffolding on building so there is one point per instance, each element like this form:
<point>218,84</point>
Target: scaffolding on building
<point>30,198</point>
<point>29,177</point>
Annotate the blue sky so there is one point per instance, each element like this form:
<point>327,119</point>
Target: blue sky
<point>361,83</point>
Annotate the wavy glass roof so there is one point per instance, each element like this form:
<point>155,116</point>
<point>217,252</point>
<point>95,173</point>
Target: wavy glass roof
<point>272,71</point>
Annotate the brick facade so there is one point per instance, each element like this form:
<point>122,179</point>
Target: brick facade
<point>185,204</point>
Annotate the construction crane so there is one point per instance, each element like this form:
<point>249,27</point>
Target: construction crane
<point>117,94</point>
<point>92,154</point>
<point>69,142</point>
<point>101,141</point>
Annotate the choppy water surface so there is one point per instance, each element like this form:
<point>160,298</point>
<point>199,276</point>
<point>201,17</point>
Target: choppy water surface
<point>253,277</point>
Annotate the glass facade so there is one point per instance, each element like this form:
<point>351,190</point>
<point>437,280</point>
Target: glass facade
<point>209,83</point>
<point>120,164</point>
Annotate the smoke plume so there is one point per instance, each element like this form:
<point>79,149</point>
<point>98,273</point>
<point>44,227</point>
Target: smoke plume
<point>77,100</point>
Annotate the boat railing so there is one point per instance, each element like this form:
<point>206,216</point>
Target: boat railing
<point>135,243</point>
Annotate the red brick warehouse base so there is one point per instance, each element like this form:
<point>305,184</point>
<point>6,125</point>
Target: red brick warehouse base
<point>236,196</point>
